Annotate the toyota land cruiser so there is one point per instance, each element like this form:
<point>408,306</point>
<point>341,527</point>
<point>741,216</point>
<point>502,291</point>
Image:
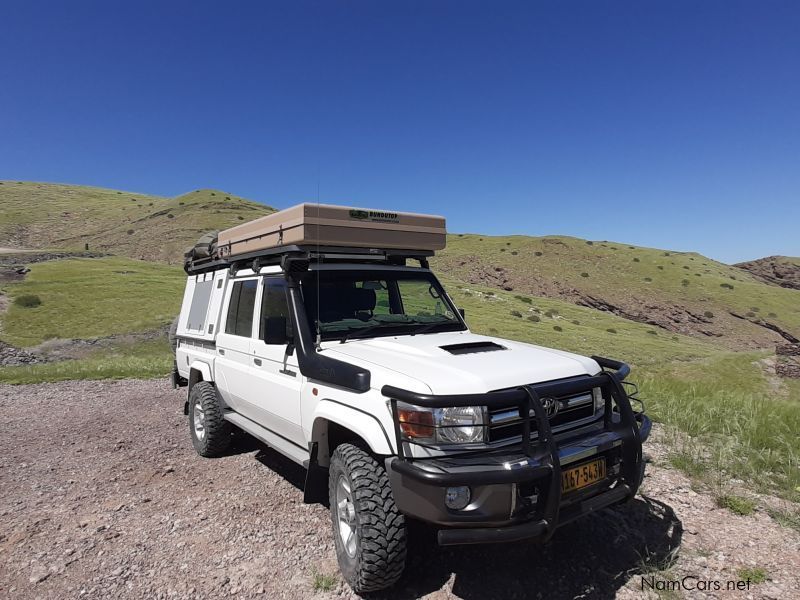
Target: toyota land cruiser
<point>353,361</point>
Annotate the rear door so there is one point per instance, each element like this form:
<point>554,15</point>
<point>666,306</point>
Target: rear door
<point>233,365</point>
<point>275,397</point>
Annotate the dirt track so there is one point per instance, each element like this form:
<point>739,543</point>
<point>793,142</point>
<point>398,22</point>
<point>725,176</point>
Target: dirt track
<point>103,496</point>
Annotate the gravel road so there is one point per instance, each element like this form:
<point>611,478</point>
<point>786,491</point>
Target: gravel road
<point>103,496</point>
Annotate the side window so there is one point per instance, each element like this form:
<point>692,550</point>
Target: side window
<point>274,304</point>
<point>240,309</point>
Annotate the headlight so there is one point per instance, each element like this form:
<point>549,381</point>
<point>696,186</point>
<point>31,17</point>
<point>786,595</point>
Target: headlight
<point>453,425</point>
<point>599,401</point>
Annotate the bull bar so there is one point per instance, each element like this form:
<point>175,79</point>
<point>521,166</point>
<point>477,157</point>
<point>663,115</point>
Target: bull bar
<point>540,458</point>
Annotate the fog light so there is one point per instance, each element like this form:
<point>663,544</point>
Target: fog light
<point>457,498</point>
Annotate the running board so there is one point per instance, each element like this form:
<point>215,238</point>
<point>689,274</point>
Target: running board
<point>273,440</point>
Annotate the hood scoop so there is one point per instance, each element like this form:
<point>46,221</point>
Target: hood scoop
<point>473,348</point>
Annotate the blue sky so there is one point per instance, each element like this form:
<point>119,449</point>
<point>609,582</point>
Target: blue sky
<point>673,124</point>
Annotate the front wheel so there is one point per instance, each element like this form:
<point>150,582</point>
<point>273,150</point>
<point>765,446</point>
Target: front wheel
<point>369,531</point>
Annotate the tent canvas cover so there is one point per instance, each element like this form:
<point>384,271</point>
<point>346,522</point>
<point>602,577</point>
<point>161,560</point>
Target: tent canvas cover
<point>328,225</point>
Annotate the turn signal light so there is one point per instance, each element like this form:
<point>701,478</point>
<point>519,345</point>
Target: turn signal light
<point>415,423</point>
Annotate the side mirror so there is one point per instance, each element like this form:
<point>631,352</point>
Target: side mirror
<point>461,312</point>
<point>275,331</point>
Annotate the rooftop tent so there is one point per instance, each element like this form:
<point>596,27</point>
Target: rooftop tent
<point>327,225</point>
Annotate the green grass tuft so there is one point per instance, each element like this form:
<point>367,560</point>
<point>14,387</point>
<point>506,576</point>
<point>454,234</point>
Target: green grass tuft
<point>736,504</point>
<point>753,574</point>
<point>322,582</point>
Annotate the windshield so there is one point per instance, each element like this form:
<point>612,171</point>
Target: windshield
<point>385,302</point>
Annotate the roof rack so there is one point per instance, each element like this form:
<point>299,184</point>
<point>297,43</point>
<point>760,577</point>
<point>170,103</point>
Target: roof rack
<point>296,258</point>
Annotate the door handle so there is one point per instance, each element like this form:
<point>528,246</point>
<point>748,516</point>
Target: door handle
<point>257,361</point>
<point>221,351</point>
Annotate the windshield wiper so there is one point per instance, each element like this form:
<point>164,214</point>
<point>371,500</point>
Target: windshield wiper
<point>359,332</point>
<point>428,326</point>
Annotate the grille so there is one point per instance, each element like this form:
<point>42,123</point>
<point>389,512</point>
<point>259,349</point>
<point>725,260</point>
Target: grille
<point>505,423</point>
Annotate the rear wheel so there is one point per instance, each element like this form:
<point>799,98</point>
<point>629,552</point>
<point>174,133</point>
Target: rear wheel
<point>369,531</point>
<point>211,433</point>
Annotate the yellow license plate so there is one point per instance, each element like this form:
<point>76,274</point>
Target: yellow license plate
<point>583,475</point>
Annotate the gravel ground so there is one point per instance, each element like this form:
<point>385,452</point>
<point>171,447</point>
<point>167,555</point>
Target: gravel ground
<point>103,496</point>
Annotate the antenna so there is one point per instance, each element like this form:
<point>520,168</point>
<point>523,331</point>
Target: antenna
<point>318,343</point>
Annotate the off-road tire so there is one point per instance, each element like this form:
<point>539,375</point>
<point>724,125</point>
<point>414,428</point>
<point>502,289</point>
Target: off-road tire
<point>380,553</point>
<point>172,334</point>
<point>217,436</point>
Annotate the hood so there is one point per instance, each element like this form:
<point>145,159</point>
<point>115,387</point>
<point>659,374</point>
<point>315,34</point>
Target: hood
<point>461,362</point>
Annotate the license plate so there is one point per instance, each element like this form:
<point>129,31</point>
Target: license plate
<point>583,475</point>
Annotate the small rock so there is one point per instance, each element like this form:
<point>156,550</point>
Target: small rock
<point>38,574</point>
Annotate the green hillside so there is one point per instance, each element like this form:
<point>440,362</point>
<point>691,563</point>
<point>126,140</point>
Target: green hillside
<point>678,292</point>
<point>676,317</point>
<point>45,215</point>
<point>87,298</point>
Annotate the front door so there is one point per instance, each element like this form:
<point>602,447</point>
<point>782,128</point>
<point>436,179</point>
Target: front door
<point>276,397</point>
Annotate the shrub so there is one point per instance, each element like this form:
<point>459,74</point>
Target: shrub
<point>660,267</point>
<point>524,299</point>
<point>632,247</point>
<point>558,328</point>
<point>666,254</point>
<point>516,313</point>
<point>240,217</point>
<point>685,282</point>
<point>228,198</point>
<point>576,322</point>
<point>652,332</point>
<point>589,243</point>
<point>648,279</point>
<point>480,239</point>
<point>611,330</point>
<point>550,313</point>
<point>213,194</point>
<point>170,216</point>
<point>708,314</point>
<point>636,259</point>
<point>737,504</point>
<point>686,267</point>
<point>534,319</point>
<point>490,293</point>
<point>584,274</point>
<point>181,203</point>
<point>514,253</point>
<point>502,249</point>
<point>726,285</point>
<point>130,231</point>
<point>149,204</point>
<point>537,253</point>
<point>467,294</point>
<point>508,243</point>
<point>697,275</point>
<point>27,301</point>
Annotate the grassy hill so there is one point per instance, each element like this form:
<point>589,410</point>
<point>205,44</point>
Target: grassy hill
<point>46,215</point>
<point>676,317</point>
<point>672,291</point>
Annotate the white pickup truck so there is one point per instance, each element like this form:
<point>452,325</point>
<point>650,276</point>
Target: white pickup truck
<point>358,366</point>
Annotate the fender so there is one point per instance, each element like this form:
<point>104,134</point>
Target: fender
<point>203,368</point>
<point>365,425</point>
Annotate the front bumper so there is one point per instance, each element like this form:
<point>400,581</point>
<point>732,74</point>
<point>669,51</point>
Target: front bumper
<point>516,493</point>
